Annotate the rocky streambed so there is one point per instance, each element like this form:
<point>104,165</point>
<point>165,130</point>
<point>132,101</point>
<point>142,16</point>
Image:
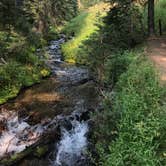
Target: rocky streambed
<point>48,124</point>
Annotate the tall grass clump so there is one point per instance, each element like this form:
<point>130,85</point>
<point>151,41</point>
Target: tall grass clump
<point>134,135</point>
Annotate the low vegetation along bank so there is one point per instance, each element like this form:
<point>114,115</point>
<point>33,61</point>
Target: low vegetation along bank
<point>20,66</point>
<point>132,124</point>
<point>81,28</point>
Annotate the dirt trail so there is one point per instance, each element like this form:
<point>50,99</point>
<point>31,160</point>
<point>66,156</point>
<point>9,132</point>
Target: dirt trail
<point>157,53</point>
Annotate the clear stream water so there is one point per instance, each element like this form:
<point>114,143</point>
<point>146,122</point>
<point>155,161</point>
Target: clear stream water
<point>72,146</point>
<point>19,134</point>
<point>73,143</point>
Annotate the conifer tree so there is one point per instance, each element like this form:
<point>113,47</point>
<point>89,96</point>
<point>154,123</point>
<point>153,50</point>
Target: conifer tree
<point>8,12</point>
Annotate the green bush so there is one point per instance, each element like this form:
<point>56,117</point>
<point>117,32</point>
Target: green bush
<point>116,65</point>
<point>36,40</point>
<point>26,55</point>
<point>15,75</point>
<point>52,33</point>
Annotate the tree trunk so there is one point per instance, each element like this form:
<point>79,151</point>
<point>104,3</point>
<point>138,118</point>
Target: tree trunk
<point>151,25</point>
<point>79,4</point>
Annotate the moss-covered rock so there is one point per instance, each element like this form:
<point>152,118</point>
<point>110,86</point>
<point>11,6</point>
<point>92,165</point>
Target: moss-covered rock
<point>41,151</point>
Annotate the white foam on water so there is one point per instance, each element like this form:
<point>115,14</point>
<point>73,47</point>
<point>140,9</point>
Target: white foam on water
<point>72,145</point>
<point>18,134</point>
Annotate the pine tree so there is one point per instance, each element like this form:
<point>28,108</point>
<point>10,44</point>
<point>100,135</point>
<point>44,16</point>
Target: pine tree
<point>8,12</point>
<point>42,13</point>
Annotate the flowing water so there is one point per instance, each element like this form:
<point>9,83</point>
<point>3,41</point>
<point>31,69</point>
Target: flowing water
<point>17,133</point>
<point>72,146</point>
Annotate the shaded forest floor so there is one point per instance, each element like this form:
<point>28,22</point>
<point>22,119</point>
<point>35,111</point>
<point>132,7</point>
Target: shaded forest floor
<point>157,53</point>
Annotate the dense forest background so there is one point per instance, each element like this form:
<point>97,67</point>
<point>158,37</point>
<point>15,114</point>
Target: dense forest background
<point>109,37</point>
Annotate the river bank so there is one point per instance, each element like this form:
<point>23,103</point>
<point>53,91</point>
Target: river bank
<point>69,89</point>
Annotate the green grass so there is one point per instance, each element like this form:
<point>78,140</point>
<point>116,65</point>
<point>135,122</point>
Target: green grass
<point>132,131</point>
<point>82,27</point>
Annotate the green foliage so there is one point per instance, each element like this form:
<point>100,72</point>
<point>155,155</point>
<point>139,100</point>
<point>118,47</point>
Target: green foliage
<point>8,13</point>
<point>43,13</point>
<point>15,75</point>
<point>27,56</point>
<point>124,26</point>
<point>53,33</point>
<point>88,3</point>
<point>41,151</point>
<point>103,60</point>
<point>104,48</point>
<point>8,41</point>
<point>160,13</point>
<point>116,65</point>
<point>81,28</point>
<point>75,26</point>
<point>22,68</point>
<point>138,128</point>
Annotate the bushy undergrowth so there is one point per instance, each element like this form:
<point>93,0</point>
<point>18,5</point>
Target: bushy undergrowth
<point>19,66</point>
<point>134,131</point>
<point>15,75</point>
<point>81,28</point>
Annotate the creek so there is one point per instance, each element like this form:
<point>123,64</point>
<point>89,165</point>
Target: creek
<point>53,113</point>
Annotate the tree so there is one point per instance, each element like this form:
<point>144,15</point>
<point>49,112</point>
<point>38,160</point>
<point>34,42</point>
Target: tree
<point>124,24</point>
<point>43,13</point>
<point>8,12</point>
<point>151,25</point>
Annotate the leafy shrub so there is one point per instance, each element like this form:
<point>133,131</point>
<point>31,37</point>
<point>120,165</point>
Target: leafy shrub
<point>26,55</point>
<point>94,52</point>
<point>103,60</point>
<point>15,75</point>
<point>36,40</point>
<point>116,65</point>
<point>52,33</point>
